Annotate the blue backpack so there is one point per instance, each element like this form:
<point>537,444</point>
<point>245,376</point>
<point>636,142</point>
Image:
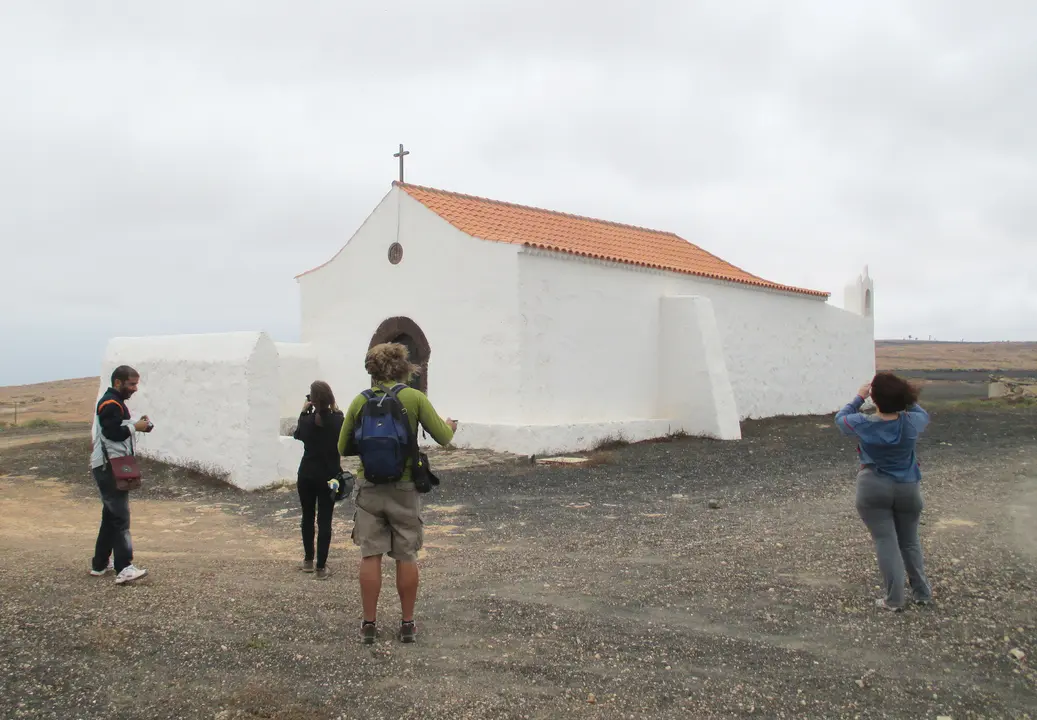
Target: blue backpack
<point>382,437</point>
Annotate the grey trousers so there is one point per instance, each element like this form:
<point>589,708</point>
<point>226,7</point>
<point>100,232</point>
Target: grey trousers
<point>892,510</point>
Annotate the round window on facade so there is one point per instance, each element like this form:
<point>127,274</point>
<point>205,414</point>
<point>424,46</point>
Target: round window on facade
<point>395,253</point>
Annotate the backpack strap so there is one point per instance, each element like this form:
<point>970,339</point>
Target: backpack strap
<point>394,392</point>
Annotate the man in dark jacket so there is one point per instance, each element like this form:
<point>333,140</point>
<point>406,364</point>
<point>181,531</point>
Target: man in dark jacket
<point>113,436</point>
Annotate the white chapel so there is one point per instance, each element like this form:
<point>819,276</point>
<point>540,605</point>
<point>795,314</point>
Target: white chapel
<point>539,331</point>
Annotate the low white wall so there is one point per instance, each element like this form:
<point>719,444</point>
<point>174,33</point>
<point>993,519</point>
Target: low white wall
<point>289,453</point>
<point>212,397</point>
<point>297,367</point>
<point>550,439</point>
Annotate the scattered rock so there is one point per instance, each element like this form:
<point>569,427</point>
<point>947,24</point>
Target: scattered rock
<point>714,504</point>
<point>1017,654</point>
<point>591,699</point>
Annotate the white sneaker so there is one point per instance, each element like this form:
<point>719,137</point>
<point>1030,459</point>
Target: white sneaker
<point>100,573</point>
<point>129,574</point>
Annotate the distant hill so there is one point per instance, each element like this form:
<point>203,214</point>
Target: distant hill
<point>59,400</point>
<point>926,355</point>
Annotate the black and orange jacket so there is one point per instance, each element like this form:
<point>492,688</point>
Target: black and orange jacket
<point>113,427</point>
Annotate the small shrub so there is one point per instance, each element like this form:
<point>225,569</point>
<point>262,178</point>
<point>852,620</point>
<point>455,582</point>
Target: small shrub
<point>599,457</point>
<point>41,423</point>
<point>610,442</point>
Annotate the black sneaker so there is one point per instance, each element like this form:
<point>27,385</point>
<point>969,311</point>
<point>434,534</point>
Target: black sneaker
<point>368,632</point>
<point>307,566</point>
<point>408,633</point>
<point>323,573</point>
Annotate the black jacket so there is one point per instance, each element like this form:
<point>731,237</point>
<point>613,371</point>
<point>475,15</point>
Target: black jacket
<point>320,458</point>
<point>111,412</point>
<point>112,432</point>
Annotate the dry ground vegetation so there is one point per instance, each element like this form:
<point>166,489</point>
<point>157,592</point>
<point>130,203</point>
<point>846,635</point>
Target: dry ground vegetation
<point>604,591</point>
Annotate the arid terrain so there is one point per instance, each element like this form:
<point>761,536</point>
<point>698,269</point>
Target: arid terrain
<point>920,355</point>
<point>610,590</point>
<point>680,579</point>
<point>59,401</point>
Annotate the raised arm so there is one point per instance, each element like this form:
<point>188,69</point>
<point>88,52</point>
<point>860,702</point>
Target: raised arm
<point>433,423</point>
<point>918,417</point>
<point>850,416</point>
<point>306,426</point>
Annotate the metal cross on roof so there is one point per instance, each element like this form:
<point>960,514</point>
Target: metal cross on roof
<point>401,155</point>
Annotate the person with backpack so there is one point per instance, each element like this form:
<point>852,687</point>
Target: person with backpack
<point>889,496</point>
<point>381,427</point>
<point>318,429</point>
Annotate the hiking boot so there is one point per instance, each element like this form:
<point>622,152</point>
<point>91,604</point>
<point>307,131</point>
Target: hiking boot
<point>307,566</point>
<point>408,633</point>
<point>129,574</point>
<point>323,573</point>
<point>101,573</point>
<point>368,632</point>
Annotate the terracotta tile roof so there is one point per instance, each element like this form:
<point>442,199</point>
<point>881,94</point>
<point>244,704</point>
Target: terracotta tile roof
<point>533,227</point>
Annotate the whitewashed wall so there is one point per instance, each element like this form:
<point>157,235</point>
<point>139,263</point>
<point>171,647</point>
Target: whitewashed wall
<point>695,391</point>
<point>590,343</point>
<point>297,368</point>
<point>461,292</point>
<point>212,397</point>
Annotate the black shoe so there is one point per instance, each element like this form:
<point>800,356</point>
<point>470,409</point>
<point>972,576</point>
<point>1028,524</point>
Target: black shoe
<point>323,573</point>
<point>408,633</point>
<point>368,632</point>
<point>307,566</point>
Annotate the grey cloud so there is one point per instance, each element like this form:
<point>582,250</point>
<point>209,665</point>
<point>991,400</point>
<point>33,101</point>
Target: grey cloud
<point>218,149</point>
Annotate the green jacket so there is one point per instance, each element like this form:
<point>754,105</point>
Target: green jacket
<point>419,410</point>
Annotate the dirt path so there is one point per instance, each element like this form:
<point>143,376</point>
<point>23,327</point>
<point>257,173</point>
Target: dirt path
<point>11,440</point>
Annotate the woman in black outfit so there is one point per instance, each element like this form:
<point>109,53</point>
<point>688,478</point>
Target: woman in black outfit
<point>319,426</point>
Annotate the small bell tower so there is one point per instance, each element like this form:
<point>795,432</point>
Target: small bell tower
<point>859,295</point>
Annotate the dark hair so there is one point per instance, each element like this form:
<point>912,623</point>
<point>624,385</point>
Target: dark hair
<point>893,394</point>
<point>124,373</point>
<point>322,398</point>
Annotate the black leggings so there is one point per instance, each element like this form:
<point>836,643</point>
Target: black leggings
<point>315,498</point>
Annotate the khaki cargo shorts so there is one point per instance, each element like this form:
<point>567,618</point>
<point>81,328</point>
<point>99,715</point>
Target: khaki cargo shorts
<point>387,521</point>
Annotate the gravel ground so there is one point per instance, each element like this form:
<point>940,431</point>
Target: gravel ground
<point>607,590</point>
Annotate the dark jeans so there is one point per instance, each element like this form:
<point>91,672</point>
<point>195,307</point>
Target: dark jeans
<point>315,495</point>
<point>892,512</point>
<point>114,535</point>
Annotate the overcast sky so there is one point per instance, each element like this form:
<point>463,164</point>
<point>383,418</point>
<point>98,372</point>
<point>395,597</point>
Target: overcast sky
<point>169,167</point>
